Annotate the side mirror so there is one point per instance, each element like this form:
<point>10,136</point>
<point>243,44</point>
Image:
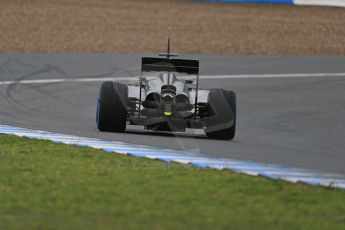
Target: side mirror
<point>141,78</point>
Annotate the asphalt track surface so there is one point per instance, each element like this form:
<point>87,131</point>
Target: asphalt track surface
<point>294,121</point>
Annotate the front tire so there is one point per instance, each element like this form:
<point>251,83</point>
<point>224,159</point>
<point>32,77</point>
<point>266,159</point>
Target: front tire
<point>221,123</point>
<point>112,107</point>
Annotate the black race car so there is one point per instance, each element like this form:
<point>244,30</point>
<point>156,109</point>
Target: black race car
<point>167,97</point>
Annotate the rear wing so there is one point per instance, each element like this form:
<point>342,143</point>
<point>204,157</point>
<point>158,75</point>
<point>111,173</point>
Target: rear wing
<point>186,66</point>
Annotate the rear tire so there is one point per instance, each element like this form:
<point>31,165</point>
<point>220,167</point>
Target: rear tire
<point>112,107</point>
<point>222,109</point>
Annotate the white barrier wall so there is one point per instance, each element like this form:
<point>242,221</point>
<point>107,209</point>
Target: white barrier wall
<point>340,3</point>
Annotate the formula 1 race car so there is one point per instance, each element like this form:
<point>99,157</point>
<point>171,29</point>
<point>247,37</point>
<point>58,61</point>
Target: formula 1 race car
<point>167,97</point>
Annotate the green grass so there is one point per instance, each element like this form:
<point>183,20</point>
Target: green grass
<point>44,185</point>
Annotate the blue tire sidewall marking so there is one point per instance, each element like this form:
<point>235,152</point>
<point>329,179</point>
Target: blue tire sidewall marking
<point>97,112</point>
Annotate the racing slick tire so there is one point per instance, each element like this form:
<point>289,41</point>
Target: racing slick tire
<point>221,123</point>
<point>112,107</point>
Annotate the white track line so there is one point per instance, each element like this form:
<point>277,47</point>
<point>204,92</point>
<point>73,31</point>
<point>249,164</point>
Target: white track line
<point>203,77</point>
